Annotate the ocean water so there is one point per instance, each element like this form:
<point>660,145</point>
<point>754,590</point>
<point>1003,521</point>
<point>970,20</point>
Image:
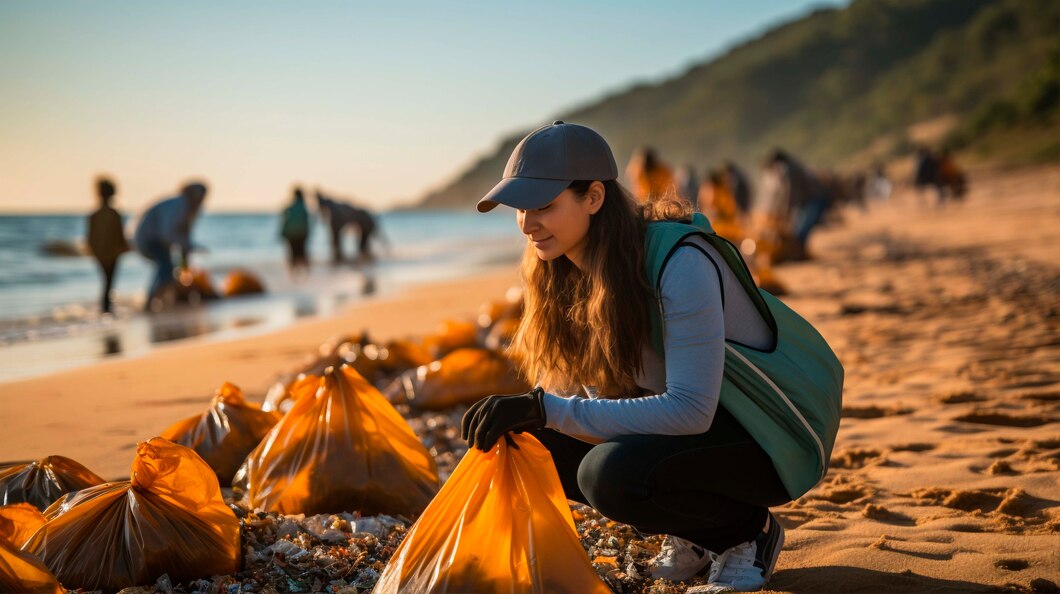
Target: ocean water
<point>49,303</point>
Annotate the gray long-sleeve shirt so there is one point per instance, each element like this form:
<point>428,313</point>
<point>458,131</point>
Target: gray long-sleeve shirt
<point>687,384</point>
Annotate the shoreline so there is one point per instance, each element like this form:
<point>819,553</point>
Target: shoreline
<point>96,414</point>
<point>91,338</point>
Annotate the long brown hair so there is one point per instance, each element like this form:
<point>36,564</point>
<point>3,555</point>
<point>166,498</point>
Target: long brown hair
<point>588,327</point>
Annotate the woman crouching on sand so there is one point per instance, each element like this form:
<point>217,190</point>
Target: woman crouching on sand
<point>635,433</point>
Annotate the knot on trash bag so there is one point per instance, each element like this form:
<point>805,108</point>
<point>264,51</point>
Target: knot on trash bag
<point>230,395</point>
<point>166,468</point>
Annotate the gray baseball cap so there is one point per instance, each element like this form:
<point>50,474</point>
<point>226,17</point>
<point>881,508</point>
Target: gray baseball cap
<point>545,162</point>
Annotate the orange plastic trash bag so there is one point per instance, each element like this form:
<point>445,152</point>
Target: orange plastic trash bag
<point>451,335</point>
<point>241,282</point>
<point>341,447</point>
<point>169,518</point>
<point>511,307</point>
<point>464,376</point>
<point>500,524</point>
<point>22,572</point>
<point>43,481</point>
<point>18,522</point>
<point>224,434</point>
<point>378,363</point>
<point>193,286</point>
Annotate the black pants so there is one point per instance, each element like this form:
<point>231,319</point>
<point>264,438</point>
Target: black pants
<point>336,244</point>
<point>296,254</point>
<point>712,489</point>
<point>108,266</point>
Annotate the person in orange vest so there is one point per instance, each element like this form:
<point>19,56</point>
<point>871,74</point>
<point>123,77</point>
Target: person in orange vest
<point>650,176</point>
<point>717,202</point>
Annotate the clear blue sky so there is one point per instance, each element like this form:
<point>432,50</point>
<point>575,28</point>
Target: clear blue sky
<point>378,101</point>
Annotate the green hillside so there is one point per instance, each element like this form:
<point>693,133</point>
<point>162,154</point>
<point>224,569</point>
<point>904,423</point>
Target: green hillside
<point>840,87</point>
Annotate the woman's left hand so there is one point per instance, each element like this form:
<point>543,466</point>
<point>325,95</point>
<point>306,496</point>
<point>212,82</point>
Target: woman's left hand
<point>490,418</point>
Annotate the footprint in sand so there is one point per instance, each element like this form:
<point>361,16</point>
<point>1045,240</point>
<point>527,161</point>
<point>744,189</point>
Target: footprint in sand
<point>854,458</point>
<point>795,518</point>
<point>984,417</point>
<point>1041,396</point>
<point>961,398</point>
<point>914,447</point>
<point>1011,564</point>
<point>1000,467</point>
<point>882,514</point>
<point>843,494</point>
<point>1002,453</point>
<point>874,412</point>
<point>1011,502</point>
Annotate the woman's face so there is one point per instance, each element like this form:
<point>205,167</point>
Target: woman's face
<point>561,227</point>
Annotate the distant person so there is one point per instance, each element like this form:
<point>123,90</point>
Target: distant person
<point>877,185</point>
<point>366,230</point>
<point>951,179</point>
<point>926,173</point>
<point>342,215</point>
<point>715,200</point>
<point>652,179</point>
<point>739,187</point>
<point>687,184</point>
<point>106,240</point>
<point>337,218</point>
<point>294,229</point>
<point>806,200</point>
<point>165,225</point>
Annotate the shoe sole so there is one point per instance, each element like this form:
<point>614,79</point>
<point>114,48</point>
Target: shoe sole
<point>776,550</point>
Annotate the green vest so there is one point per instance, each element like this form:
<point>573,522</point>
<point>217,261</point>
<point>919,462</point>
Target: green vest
<point>788,398</point>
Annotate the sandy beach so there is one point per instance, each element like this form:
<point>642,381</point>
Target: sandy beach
<point>97,414</point>
<point>946,471</point>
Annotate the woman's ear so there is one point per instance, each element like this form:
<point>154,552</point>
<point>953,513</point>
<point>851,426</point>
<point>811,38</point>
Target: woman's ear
<point>594,196</point>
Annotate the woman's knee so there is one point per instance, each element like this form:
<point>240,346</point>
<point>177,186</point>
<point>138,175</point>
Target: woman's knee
<point>612,480</point>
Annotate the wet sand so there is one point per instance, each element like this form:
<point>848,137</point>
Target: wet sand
<point>946,472</point>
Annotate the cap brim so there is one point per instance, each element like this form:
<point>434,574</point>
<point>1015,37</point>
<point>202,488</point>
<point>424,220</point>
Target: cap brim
<point>524,193</point>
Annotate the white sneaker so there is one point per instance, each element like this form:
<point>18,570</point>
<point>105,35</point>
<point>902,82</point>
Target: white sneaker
<point>679,559</point>
<point>748,566</point>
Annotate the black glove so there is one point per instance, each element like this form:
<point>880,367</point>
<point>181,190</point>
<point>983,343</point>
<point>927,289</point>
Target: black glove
<point>490,418</point>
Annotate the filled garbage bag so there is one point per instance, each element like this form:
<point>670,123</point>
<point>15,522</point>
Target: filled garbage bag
<point>43,481</point>
<point>341,447</point>
<point>22,572</point>
<point>464,376</point>
<point>169,518</point>
<point>193,286</point>
<point>223,435</point>
<point>500,524</point>
<point>19,571</point>
<point>280,397</point>
<point>501,334</point>
<point>511,307</point>
<point>451,335</point>
<point>378,363</point>
<point>241,282</point>
<point>18,522</point>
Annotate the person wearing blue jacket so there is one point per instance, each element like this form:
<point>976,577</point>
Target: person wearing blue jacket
<point>167,224</point>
